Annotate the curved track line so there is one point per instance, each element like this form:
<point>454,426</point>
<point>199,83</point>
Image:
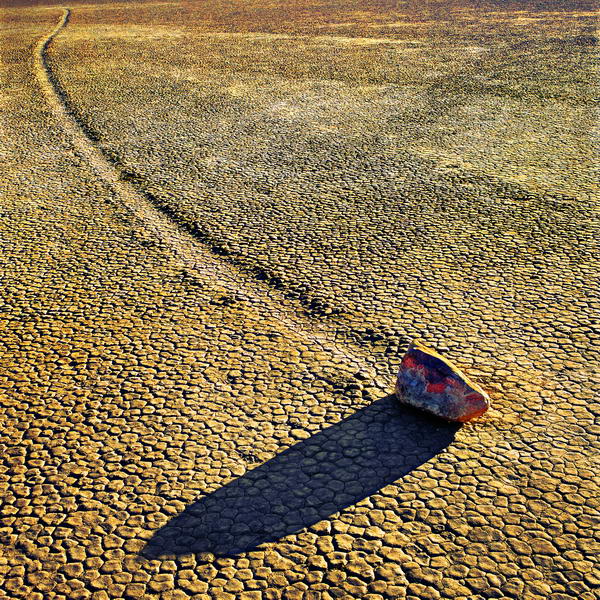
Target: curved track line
<point>183,244</point>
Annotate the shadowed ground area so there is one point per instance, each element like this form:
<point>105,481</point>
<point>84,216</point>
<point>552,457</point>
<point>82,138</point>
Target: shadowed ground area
<point>311,481</point>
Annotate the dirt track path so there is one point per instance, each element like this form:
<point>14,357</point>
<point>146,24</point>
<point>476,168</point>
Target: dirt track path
<point>184,245</point>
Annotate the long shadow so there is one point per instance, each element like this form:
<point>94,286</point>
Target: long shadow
<point>310,481</point>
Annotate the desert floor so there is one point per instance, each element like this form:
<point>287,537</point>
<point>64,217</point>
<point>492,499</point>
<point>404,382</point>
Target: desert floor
<point>221,223</point>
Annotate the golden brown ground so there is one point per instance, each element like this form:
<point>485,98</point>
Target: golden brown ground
<point>221,222</point>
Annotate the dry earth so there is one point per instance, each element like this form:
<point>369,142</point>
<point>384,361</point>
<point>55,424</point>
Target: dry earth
<point>220,224</point>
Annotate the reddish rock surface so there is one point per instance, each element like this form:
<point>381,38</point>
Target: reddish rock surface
<point>430,382</point>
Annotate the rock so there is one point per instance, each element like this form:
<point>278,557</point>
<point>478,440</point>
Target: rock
<point>428,381</point>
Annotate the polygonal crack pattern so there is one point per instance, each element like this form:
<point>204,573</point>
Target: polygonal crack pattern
<point>351,176</point>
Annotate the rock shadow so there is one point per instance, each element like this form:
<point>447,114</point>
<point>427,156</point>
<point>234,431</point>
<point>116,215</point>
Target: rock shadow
<point>310,481</point>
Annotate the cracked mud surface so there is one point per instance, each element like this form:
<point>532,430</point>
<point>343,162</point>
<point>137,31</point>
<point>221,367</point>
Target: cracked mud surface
<point>220,225</point>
